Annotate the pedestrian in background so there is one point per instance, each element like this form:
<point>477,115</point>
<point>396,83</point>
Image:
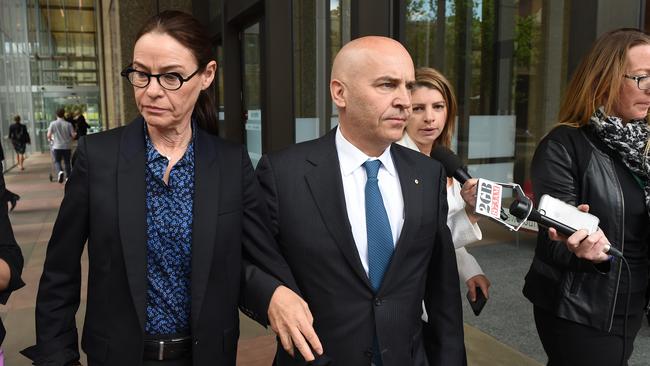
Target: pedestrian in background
<point>19,138</point>
<point>61,133</point>
<point>79,122</point>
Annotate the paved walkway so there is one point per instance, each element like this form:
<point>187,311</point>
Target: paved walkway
<point>33,220</point>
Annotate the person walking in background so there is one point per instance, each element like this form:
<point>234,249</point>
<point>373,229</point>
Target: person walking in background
<point>587,310</point>
<point>61,133</point>
<point>79,122</point>
<point>430,124</point>
<point>19,138</point>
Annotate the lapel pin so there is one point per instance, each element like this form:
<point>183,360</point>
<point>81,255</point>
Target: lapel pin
<point>417,181</point>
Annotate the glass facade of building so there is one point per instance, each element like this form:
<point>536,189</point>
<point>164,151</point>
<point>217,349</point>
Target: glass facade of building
<point>319,30</point>
<point>15,81</point>
<point>48,60</point>
<point>63,61</point>
<point>507,61</point>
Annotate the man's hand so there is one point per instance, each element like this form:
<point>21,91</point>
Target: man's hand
<point>292,321</point>
<point>478,281</point>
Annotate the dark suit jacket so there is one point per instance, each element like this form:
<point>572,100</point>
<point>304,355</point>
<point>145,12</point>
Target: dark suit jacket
<point>104,203</point>
<point>308,218</point>
<point>10,252</point>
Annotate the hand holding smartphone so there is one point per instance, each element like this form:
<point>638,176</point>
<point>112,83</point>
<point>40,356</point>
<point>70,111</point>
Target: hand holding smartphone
<point>477,305</point>
<point>567,214</point>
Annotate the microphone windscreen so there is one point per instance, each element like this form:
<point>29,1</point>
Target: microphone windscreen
<point>447,158</point>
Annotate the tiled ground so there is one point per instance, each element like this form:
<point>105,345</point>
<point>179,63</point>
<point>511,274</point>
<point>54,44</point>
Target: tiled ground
<point>32,221</point>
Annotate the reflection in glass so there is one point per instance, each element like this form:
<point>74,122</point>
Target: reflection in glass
<point>494,54</point>
<point>251,60</point>
<point>505,60</point>
<point>320,29</point>
<point>62,42</point>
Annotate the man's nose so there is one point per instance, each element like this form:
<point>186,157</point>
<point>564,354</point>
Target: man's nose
<point>403,97</point>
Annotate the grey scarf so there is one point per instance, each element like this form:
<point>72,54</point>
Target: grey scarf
<point>629,141</point>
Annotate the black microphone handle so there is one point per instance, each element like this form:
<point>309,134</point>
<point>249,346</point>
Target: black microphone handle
<point>549,222</point>
<point>563,229</point>
<point>461,175</point>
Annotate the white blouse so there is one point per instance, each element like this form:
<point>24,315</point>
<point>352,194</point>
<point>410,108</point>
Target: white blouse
<point>463,231</point>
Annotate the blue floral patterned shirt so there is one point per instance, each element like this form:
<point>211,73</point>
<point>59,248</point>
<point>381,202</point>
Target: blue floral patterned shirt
<point>169,241</point>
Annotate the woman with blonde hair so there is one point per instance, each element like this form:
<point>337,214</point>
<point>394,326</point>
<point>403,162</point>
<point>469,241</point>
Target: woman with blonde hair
<point>596,158</point>
<point>430,124</point>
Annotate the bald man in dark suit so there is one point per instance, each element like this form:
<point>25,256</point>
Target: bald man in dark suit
<point>361,222</point>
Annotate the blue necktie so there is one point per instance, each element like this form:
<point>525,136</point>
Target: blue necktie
<point>380,239</point>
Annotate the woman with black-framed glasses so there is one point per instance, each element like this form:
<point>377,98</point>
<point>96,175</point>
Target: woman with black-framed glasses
<point>589,306</point>
<point>170,214</point>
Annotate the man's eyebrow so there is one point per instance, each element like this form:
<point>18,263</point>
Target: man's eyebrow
<point>387,79</point>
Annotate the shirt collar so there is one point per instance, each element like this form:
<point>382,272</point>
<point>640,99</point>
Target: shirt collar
<point>351,158</point>
<point>408,142</point>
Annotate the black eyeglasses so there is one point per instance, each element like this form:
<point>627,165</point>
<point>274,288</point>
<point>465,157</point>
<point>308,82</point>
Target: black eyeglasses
<point>168,80</point>
<point>642,81</point>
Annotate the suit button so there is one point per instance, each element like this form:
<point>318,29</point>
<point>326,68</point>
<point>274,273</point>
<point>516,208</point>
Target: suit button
<point>368,353</point>
<point>378,301</point>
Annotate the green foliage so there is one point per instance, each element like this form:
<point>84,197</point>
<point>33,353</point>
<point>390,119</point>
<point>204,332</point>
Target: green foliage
<point>528,35</point>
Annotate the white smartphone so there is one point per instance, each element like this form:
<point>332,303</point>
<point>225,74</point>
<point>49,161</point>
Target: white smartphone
<point>564,213</point>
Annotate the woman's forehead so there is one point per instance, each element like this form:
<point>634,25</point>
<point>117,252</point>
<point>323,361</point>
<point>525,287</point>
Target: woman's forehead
<point>162,50</point>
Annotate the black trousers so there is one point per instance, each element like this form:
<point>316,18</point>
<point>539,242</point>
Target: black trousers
<point>571,344</point>
<point>187,361</point>
<point>62,154</point>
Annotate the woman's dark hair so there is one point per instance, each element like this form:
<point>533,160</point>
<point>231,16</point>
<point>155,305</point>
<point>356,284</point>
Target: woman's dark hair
<point>185,29</point>
<point>17,119</point>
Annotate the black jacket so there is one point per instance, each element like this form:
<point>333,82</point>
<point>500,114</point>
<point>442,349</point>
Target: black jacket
<point>10,252</point>
<point>304,194</point>
<point>104,204</point>
<point>572,164</point>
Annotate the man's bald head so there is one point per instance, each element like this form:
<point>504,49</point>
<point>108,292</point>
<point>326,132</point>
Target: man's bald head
<point>370,86</point>
<point>355,54</point>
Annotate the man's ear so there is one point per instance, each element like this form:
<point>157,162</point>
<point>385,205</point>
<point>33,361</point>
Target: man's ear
<point>338,92</point>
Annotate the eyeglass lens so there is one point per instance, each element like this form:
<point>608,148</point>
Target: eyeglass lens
<point>167,81</point>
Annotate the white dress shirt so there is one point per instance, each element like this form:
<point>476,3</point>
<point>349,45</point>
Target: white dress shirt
<point>351,161</point>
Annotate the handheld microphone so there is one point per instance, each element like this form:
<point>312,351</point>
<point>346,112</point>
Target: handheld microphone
<point>454,167</point>
<point>523,210</point>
